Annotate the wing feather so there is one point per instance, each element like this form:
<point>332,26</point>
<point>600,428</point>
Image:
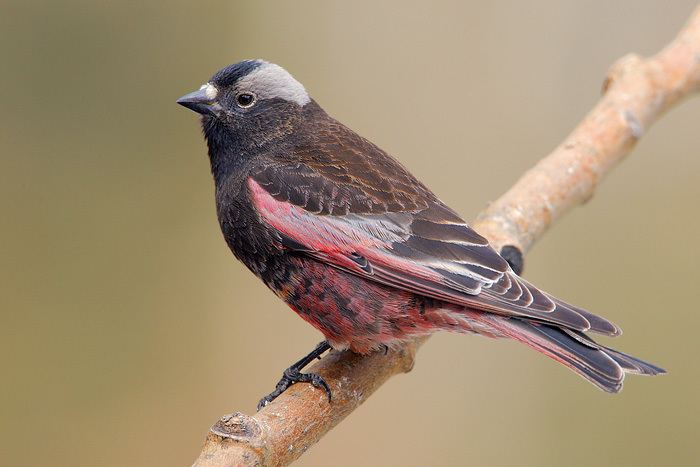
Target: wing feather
<point>428,250</point>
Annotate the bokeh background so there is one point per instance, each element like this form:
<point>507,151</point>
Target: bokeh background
<point>127,328</point>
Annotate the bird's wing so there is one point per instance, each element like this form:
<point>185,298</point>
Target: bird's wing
<point>421,246</point>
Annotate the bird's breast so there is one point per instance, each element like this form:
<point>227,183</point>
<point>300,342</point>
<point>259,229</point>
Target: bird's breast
<point>250,240</point>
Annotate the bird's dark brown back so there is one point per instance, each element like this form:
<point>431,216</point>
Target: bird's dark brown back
<point>339,156</point>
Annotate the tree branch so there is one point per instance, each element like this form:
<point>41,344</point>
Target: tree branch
<point>636,92</point>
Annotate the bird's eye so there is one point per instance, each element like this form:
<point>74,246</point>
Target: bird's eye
<point>245,99</point>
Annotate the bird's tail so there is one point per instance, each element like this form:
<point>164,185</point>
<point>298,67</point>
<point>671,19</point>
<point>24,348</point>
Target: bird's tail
<point>600,365</point>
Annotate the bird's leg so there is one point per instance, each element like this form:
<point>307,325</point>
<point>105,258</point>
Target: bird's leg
<point>294,375</point>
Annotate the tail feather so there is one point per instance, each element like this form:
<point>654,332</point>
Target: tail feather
<point>600,365</point>
<point>628,363</point>
<point>634,365</point>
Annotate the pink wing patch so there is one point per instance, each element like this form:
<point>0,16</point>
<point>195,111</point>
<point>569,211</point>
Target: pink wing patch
<point>441,259</point>
<point>334,239</point>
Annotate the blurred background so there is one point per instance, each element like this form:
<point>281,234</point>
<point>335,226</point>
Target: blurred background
<point>128,328</point>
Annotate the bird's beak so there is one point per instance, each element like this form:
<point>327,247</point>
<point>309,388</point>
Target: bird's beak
<point>203,101</point>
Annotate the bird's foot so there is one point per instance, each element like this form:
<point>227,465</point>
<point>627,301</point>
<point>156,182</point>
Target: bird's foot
<point>294,375</point>
<point>291,377</point>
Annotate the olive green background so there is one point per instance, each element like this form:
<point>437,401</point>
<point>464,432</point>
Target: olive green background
<point>127,328</point>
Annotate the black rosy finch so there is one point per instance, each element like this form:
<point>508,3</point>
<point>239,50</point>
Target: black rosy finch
<point>357,246</point>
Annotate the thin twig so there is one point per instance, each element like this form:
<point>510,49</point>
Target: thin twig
<point>636,92</point>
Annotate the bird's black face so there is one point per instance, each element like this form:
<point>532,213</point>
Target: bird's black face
<point>247,105</point>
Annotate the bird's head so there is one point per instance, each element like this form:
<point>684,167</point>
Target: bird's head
<point>247,105</point>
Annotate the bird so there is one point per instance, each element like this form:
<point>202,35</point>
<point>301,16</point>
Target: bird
<point>360,248</point>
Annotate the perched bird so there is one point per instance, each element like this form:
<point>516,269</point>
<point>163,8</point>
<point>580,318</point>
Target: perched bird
<point>360,248</point>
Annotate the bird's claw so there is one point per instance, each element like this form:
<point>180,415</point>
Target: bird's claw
<point>318,382</point>
<point>292,376</point>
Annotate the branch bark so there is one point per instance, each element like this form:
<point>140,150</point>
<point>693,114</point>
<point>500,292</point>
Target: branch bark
<point>637,91</point>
